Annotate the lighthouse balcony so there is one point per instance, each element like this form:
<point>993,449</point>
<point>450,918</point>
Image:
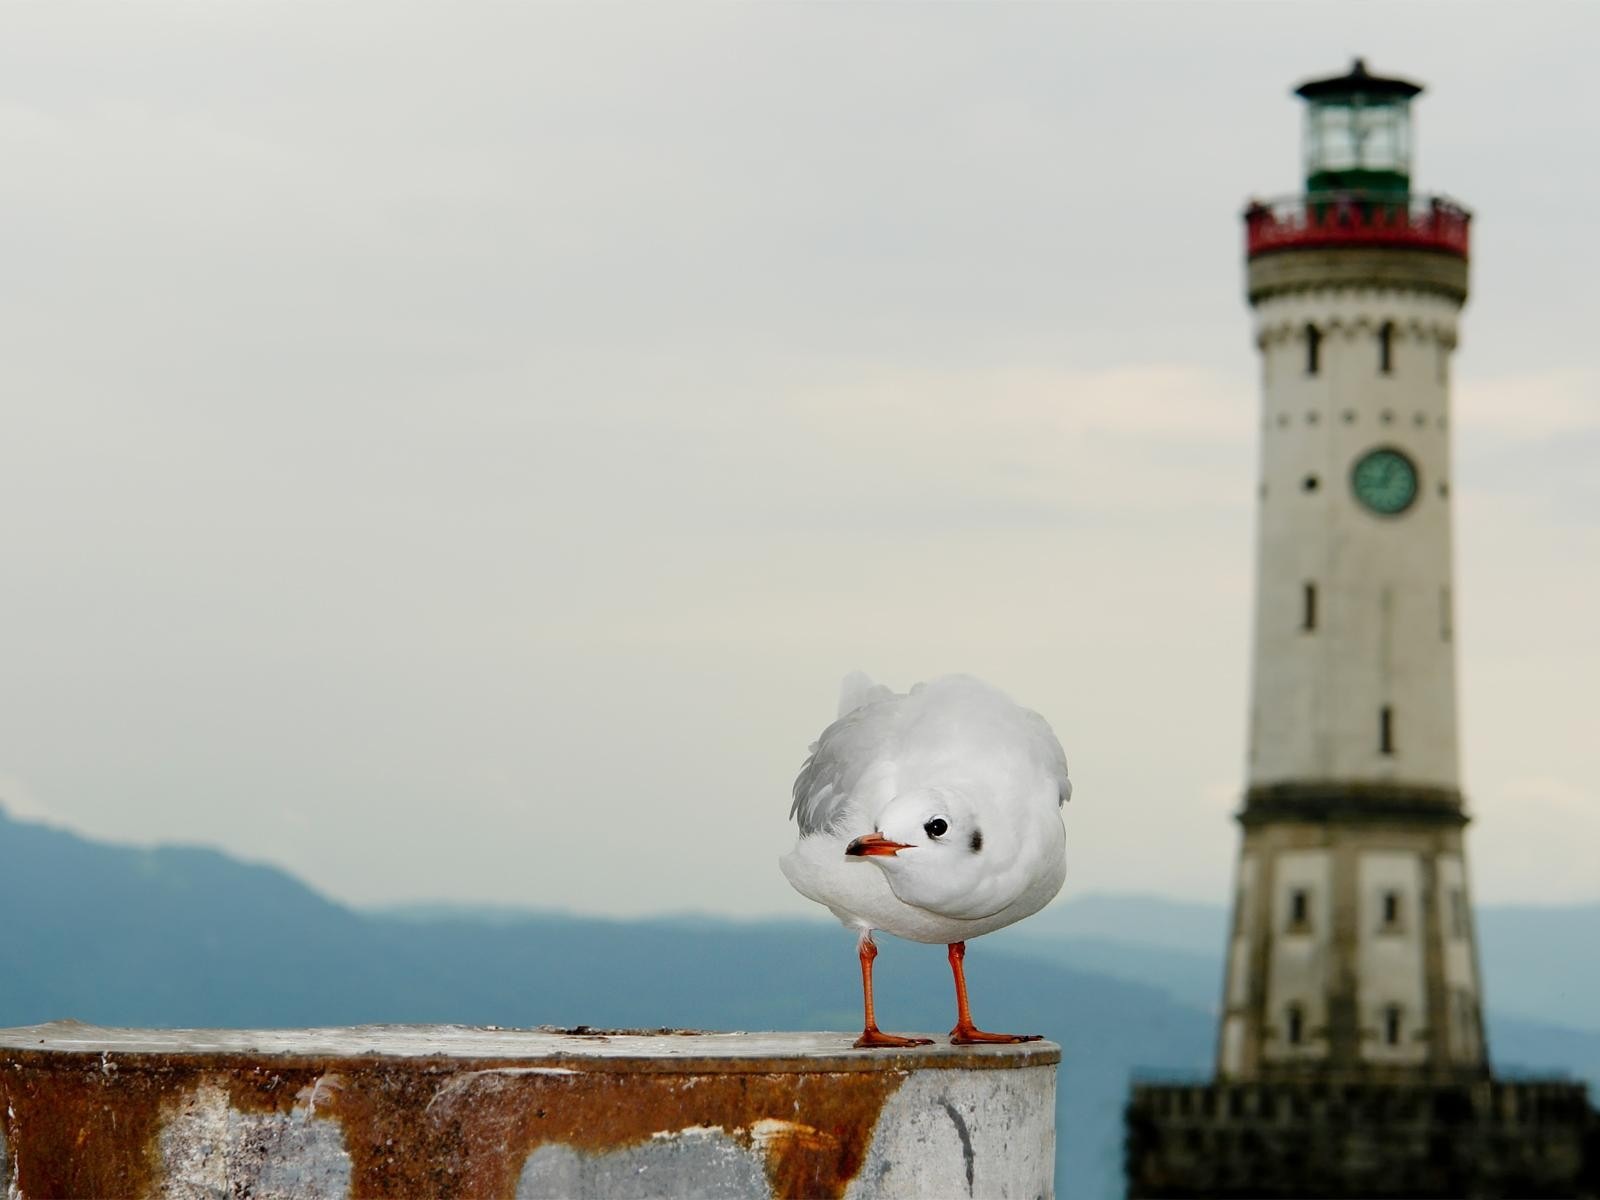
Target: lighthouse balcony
<point>1330,220</point>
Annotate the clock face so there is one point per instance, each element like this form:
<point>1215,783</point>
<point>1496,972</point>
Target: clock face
<point>1385,480</point>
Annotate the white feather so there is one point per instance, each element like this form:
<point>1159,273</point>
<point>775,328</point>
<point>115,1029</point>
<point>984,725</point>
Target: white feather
<point>858,689</point>
<point>954,745</point>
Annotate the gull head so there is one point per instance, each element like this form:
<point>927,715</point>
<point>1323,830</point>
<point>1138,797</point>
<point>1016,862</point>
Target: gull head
<point>935,852</point>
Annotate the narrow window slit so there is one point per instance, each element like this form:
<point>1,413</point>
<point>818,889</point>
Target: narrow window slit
<point>1386,348</point>
<point>1313,349</point>
<point>1386,730</point>
<point>1299,908</point>
<point>1297,1024</point>
<point>1308,618</point>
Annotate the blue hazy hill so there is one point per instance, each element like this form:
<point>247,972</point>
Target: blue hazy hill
<point>181,936</point>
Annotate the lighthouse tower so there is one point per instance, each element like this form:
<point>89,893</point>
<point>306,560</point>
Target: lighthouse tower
<point>1352,944</point>
<point>1350,1054</point>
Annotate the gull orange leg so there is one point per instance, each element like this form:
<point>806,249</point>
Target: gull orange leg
<point>966,1033</point>
<point>872,1035</point>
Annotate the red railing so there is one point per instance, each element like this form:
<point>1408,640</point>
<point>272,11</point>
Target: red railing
<point>1320,219</point>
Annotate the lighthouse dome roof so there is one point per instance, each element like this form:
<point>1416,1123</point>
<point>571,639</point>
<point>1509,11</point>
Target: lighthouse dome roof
<point>1357,82</point>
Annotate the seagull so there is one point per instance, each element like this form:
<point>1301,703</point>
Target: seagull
<point>934,816</point>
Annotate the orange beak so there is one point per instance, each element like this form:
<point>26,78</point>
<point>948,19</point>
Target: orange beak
<point>873,843</point>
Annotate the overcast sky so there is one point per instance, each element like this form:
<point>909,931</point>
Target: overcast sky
<point>454,451</point>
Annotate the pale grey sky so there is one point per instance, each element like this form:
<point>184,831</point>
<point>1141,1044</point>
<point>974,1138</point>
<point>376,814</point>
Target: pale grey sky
<point>455,450</point>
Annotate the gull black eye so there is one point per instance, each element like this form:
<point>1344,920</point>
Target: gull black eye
<point>937,827</point>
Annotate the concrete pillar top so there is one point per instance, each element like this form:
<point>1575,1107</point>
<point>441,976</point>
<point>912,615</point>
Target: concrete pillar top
<point>578,1048</point>
<point>457,1111</point>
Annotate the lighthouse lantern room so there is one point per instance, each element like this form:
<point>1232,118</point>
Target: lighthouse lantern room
<point>1358,133</point>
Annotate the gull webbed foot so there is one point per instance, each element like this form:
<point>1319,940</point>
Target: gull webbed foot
<point>970,1035</point>
<point>876,1039</point>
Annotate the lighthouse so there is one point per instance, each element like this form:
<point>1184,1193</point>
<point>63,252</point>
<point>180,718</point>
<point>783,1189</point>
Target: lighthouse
<point>1351,1057</point>
<point>1351,944</point>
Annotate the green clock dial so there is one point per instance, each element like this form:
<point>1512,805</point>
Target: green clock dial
<point>1385,480</point>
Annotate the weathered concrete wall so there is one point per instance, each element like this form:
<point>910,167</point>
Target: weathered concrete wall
<point>451,1111</point>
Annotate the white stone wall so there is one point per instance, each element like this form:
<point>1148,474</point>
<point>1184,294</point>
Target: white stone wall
<point>1460,960</point>
<point>1300,959</point>
<point>1383,632</point>
<point>1390,958</point>
<point>1236,986</point>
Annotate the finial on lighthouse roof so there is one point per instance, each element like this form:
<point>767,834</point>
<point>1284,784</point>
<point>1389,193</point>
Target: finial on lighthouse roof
<point>1358,82</point>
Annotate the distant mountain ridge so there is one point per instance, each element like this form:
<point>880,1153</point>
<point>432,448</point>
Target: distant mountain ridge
<point>183,936</point>
<point>1177,945</point>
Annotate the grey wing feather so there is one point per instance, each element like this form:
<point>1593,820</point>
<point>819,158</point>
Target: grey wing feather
<point>839,758</point>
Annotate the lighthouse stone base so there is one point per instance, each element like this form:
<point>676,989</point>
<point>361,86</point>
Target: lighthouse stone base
<point>1353,1138</point>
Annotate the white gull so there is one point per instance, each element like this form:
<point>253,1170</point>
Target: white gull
<point>934,816</point>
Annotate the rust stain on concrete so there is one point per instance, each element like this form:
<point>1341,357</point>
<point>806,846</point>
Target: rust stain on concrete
<point>84,1124</point>
<point>417,1132</point>
<point>87,1131</point>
